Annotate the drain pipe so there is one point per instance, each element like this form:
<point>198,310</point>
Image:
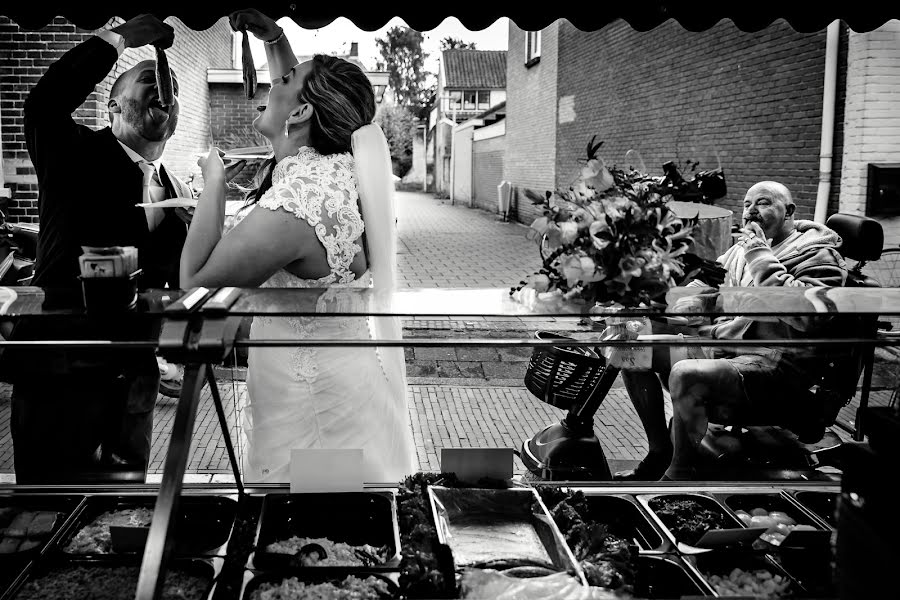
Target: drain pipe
<point>827,149</point>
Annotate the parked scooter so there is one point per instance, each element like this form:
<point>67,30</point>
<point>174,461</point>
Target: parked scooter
<point>18,248</point>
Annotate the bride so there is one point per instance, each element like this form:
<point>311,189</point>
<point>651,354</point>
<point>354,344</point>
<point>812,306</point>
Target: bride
<point>322,217</point>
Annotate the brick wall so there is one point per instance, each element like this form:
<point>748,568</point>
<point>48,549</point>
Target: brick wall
<point>751,100</point>
<point>231,124</point>
<point>25,56</point>
<point>530,119</point>
<point>488,171</point>
<point>872,119</point>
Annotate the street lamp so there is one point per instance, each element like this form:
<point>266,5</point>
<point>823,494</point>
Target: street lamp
<point>379,81</point>
<point>379,92</point>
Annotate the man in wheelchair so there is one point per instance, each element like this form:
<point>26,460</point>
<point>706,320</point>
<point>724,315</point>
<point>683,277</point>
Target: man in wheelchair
<point>741,385</point>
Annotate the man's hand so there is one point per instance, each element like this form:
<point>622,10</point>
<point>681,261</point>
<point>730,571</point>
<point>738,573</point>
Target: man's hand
<point>146,29</point>
<point>255,22</point>
<point>752,236</point>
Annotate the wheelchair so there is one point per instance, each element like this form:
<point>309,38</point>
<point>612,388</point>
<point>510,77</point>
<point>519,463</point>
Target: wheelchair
<point>579,379</point>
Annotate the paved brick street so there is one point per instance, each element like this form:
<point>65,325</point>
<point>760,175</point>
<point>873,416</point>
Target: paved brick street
<point>461,396</point>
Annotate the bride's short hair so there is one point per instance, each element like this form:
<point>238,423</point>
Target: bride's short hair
<point>343,99</point>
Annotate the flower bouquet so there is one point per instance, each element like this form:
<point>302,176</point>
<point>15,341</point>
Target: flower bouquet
<point>610,239</point>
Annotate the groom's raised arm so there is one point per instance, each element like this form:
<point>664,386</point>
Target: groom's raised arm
<point>71,79</point>
<point>63,88</point>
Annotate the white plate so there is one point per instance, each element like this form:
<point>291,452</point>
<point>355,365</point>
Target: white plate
<point>231,208</point>
<point>171,203</point>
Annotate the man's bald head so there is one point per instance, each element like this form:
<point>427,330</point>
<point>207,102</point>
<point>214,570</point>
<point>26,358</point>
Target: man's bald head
<point>121,83</point>
<point>771,206</point>
<point>774,188</point>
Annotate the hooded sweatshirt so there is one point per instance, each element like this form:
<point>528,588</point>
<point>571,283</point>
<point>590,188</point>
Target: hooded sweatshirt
<point>808,257</point>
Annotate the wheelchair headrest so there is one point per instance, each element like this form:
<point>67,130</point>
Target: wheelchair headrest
<point>863,238</point>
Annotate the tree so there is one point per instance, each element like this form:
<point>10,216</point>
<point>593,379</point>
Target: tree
<point>452,43</point>
<point>399,126</point>
<point>404,60</point>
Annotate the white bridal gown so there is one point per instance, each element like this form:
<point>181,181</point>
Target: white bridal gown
<point>318,397</point>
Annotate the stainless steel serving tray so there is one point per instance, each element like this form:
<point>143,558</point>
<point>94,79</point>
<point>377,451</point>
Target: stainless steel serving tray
<point>452,507</point>
<point>626,513</point>
<point>740,534</point>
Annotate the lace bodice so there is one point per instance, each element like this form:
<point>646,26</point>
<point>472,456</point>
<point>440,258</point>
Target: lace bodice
<point>316,189</point>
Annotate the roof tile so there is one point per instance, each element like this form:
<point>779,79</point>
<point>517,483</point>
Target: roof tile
<point>479,69</point>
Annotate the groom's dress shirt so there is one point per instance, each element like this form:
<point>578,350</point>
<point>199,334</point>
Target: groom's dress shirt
<point>153,189</point>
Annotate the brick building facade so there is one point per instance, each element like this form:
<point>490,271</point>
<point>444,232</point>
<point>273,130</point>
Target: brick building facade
<point>748,101</point>
<point>231,124</point>
<point>26,55</point>
<point>530,118</point>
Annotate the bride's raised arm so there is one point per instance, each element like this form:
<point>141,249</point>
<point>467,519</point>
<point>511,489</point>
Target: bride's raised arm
<point>279,53</point>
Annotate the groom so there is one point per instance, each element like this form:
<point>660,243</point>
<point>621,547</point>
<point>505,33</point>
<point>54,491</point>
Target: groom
<point>76,415</point>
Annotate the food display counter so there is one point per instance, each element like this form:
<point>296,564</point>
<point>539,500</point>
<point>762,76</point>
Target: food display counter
<point>432,536</point>
<point>247,547</point>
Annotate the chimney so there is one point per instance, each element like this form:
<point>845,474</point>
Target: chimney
<point>354,49</point>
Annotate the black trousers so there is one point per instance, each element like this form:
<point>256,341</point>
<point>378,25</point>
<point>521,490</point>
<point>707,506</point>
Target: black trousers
<point>74,429</point>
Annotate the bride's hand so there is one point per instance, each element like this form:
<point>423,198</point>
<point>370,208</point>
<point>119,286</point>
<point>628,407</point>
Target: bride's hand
<point>255,22</point>
<point>212,167</point>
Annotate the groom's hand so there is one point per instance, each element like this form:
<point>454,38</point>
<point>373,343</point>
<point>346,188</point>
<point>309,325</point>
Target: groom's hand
<point>146,29</point>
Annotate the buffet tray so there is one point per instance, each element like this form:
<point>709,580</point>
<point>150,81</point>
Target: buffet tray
<point>778,501</point>
<point>12,564</point>
<point>354,518</point>
<point>821,504</point>
<point>252,580</point>
<point>626,518</point>
<point>811,567</point>
<point>459,511</point>
<point>203,526</point>
<point>743,535</point>
<point>209,568</point>
<point>668,576</point>
<point>723,562</point>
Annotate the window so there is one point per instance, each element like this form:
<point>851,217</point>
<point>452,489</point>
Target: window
<point>883,194</point>
<point>469,100</point>
<point>484,100</point>
<point>534,48</point>
<point>455,101</point>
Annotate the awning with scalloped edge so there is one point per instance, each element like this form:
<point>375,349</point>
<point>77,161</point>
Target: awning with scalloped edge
<point>694,15</point>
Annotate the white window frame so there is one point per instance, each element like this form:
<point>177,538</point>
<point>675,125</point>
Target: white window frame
<point>470,105</point>
<point>533,47</point>
<point>481,94</point>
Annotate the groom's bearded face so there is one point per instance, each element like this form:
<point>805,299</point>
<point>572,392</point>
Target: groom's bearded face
<point>140,106</point>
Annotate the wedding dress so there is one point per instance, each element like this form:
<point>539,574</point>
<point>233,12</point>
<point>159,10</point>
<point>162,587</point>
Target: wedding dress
<point>323,397</point>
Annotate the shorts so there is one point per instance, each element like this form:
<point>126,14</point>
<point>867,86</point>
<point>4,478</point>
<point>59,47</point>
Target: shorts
<point>773,392</point>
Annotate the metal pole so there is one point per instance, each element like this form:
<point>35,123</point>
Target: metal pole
<point>223,424</point>
<point>868,367</point>
<point>159,539</point>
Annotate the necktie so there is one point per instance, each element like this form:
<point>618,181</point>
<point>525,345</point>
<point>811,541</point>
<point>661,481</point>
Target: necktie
<point>153,192</point>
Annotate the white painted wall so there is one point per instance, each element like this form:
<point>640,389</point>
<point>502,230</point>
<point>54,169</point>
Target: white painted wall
<point>872,116</point>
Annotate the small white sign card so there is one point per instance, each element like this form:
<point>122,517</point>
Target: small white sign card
<point>472,464</point>
<point>323,470</point>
